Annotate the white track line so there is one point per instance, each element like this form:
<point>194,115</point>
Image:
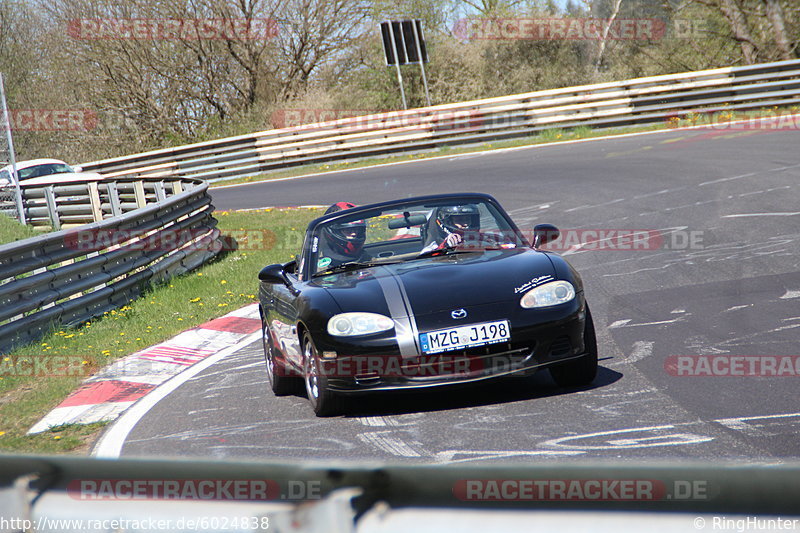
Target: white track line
<point>110,445</point>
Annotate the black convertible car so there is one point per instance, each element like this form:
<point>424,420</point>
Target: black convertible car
<point>422,292</point>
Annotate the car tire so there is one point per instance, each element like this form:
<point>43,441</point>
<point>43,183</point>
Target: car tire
<point>280,381</point>
<point>324,401</point>
<point>582,371</point>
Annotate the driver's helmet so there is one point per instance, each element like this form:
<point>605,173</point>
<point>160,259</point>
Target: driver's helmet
<point>458,219</point>
<point>346,238</point>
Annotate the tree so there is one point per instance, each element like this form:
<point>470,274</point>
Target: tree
<point>774,13</point>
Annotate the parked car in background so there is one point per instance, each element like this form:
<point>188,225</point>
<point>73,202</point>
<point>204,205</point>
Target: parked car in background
<point>47,169</point>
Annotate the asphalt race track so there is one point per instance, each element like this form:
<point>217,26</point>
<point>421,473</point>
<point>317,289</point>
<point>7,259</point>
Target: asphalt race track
<point>723,281</point>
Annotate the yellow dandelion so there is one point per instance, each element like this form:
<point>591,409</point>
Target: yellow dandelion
<point>223,282</point>
<point>57,437</point>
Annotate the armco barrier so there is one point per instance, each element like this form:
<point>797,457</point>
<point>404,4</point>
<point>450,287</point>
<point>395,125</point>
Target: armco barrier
<point>621,103</point>
<point>61,278</point>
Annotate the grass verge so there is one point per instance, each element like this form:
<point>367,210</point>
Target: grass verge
<point>67,356</point>
<point>11,230</point>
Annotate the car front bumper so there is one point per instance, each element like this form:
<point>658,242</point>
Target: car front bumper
<point>539,338</point>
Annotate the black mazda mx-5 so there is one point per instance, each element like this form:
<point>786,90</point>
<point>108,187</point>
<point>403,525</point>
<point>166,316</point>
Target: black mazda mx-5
<point>422,292</point>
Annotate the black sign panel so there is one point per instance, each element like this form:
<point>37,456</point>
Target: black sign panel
<point>405,42</point>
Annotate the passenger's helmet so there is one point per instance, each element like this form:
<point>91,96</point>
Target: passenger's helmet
<point>346,238</point>
<point>458,218</point>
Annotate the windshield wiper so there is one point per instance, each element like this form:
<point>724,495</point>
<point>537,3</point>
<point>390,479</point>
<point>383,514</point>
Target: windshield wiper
<point>442,251</point>
<point>351,265</point>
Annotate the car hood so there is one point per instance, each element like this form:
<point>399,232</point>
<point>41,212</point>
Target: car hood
<point>437,283</point>
<point>64,177</point>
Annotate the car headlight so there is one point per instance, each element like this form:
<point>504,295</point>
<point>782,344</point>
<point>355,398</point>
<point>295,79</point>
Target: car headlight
<point>352,324</point>
<point>553,293</point>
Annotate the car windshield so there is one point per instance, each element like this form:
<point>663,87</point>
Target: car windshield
<point>407,232</point>
<point>43,170</point>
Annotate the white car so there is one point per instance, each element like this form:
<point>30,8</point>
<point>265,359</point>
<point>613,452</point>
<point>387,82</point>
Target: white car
<point>47,170</point>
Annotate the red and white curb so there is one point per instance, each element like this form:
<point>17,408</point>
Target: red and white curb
<point>110,392</point>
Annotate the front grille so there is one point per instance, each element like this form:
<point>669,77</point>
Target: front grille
<point>561,346</point>
<point>478,360</point>
<point>367,379</point>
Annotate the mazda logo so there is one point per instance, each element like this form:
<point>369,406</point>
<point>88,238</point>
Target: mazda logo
<point>458,313</point>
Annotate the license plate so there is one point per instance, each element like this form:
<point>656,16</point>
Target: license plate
<point>465,336</point>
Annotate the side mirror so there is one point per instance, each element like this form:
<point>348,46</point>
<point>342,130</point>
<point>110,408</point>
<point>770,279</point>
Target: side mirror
<point>544,233</point>
<point>273,274</point>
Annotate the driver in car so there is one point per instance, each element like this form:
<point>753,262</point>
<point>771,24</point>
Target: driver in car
<point>344,240</point>
<point>450,224</point>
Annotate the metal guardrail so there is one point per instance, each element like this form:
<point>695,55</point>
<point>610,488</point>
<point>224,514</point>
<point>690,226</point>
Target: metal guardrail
<point>70,276</point>
<point>621,103</point>
<point>60,204</point>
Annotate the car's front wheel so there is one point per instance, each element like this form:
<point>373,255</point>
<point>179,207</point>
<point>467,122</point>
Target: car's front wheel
<point>324,401</point>
<point>281,383</point>
<point>581,371</point>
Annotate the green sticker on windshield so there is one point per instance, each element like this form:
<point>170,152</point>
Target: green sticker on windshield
<point>323,262</point>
